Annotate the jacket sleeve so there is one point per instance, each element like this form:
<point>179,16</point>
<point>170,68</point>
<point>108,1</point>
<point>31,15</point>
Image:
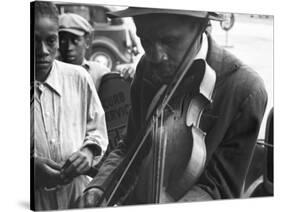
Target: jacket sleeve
<point>228,161</point>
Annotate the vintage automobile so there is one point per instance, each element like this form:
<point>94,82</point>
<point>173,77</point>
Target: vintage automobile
<point>112,42</point>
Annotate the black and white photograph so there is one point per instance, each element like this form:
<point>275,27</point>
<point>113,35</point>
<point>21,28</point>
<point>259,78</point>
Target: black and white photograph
<point>145,105</point>
<point>148,109</point>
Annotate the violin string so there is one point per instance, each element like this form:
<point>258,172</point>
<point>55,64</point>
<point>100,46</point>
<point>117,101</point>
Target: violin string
<point>158,158</point>
<point>161,159</point>
<point>153,152</point>
<point>155,159</point>
<point>163,162</point>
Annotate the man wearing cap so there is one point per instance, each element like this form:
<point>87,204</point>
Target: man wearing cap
<point>74,37</point>
<point>68,129</point>
<point>231,122</point>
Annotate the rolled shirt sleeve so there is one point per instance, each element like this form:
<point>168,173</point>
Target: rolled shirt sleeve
<point>96,137</point>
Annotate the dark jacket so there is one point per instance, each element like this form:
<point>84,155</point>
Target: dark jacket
<point>232,123</point>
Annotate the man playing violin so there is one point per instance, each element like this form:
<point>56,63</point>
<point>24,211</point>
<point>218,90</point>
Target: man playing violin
<point>231,121</point>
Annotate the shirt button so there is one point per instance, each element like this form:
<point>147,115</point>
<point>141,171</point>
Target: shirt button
<point>52,141</point>
<point>47,114</point>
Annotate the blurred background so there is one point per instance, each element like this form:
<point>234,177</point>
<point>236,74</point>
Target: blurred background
<point>251,40</point>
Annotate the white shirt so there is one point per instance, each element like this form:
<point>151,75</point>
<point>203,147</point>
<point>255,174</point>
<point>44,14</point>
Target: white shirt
<point>66,115</point>
<point>96,70</point>
<point>202,54</point>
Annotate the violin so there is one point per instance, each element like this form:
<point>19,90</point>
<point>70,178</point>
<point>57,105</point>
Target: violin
<point>177,155</point>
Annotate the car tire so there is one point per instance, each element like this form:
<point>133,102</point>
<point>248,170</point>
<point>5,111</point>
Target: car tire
<point>103,56</point>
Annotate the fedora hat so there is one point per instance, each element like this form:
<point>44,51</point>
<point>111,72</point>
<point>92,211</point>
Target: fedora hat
<point>136,11</point>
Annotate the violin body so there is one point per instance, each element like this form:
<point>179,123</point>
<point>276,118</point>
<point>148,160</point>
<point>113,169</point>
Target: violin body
<point>183,160</point>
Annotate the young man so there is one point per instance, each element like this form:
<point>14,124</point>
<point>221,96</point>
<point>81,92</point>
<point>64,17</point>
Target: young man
<point>231,122</point>
<point>68,122</point>
<point>74,38</point>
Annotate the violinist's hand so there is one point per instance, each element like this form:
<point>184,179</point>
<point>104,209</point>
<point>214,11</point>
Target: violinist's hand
<point>47,173</point>
<point>90,198</point>
<point>126,70</point>
<point>165,197</point>
<point>77,164</point>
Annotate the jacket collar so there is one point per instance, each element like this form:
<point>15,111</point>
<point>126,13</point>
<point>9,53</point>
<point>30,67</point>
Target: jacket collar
<point>223,62</point>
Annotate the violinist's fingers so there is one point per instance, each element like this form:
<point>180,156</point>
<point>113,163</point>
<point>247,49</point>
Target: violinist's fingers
<point>79,202</point>
<point>89,201</point>
<point>86,200</point>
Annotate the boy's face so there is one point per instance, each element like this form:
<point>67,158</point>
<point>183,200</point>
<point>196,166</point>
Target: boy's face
<point>46,44</point>
<point>72,48</point>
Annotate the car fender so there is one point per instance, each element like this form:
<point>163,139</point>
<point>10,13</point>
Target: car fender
<point>109,44</point>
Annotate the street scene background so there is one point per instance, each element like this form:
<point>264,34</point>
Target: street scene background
<point>251,40</point>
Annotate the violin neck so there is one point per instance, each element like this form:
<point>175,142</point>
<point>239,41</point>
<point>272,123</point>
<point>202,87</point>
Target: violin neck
<point>159,145</point>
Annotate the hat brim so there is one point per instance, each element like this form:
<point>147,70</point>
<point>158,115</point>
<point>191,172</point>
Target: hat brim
<point>134,11</point>
<point>72,31</point>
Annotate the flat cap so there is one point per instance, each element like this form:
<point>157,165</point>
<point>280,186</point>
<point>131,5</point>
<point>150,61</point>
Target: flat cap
<point>135,11</point>
<point>75,24</point>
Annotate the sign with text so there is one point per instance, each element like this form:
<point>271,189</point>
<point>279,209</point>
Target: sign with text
<point>114,94</point>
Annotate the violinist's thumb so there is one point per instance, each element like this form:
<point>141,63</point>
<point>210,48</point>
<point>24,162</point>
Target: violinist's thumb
<point>90,198</point>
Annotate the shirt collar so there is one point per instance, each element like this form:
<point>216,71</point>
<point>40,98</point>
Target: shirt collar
<point>85,64</point>
<point>54,81</point>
